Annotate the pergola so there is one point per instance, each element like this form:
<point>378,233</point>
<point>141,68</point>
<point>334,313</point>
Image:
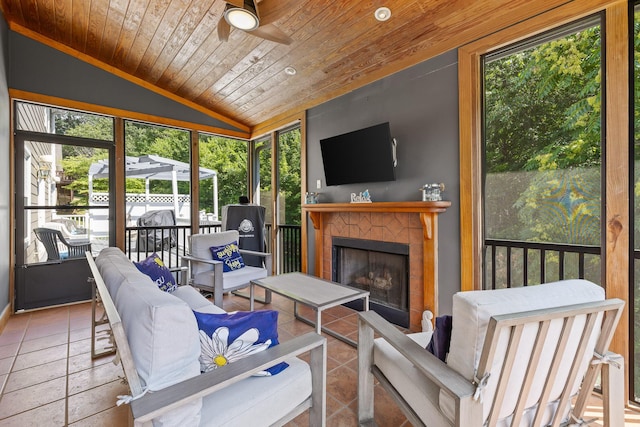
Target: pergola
<point>150,167</point>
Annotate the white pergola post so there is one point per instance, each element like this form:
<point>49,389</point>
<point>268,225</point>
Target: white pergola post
<point>146,194</point>
<point>215,196</point>
<point>174,183</point>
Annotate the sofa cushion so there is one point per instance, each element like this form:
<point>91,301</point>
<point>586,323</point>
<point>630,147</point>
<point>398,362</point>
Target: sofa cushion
<point>471,313</point>
<point>163,336</point>
<point>116,269</point>
<point>254,398</point>
<point>196,301</point>
<point>225,338</point>
<point>153,267</point>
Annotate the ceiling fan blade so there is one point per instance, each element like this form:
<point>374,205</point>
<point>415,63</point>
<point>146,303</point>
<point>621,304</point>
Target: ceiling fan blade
<point>270,11</point>
<point>272,33</point>
<point>236,3</point>
<point>223,29</point>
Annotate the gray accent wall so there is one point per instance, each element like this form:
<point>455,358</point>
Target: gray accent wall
<point>421,106</point>
<point>5,178</point>
<point>35,67</point>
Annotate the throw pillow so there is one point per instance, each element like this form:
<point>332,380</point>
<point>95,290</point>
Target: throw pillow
<point>225,338</point>
<point>230,256</point>
<point>441,338</point>
<point>153,267</point>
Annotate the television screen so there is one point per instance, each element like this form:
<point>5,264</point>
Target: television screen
<point>365,155</point>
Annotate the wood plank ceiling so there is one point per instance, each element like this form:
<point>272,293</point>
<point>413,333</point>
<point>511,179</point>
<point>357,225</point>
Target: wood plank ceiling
<point>337,45</point>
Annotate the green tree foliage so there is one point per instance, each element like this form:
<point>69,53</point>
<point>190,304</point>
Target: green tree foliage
<point>229,158</point>
<point>542,125</point>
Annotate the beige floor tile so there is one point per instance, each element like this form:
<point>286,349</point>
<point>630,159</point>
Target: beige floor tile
<point>6,364</point>
<point>9,350</point>
<point>83,361</point>
<point>36,375</point>
<point>11,337</point>
<point>44,330</point>
<point>44,342</point>
<point>32,397</point>
<point>90,402</point>
<point>94,377</point>
<point>52,414</point>
<point>39,357</point>
<point>117,416</point>
<point>79,347</point>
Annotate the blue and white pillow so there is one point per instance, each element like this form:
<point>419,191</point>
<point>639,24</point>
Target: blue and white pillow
<point>230,256</point>
<point>153,267</point>
<point>225,338</point>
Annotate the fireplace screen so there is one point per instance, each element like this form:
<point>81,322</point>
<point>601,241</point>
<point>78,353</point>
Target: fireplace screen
<point>378,267</point>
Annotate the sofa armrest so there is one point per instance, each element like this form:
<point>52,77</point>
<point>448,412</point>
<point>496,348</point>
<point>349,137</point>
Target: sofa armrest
<point>468,410</point>
<point>152,405</point>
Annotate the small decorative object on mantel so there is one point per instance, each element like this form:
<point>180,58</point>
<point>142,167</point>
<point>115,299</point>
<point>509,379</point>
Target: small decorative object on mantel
<point>312,198</point>
<point>363,197</point>
<point>432,192</point>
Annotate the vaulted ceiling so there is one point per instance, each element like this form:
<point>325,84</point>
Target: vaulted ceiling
<point>336,45</point>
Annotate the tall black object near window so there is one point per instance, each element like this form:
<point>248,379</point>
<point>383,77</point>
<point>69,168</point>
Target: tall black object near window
<point>249,221</point>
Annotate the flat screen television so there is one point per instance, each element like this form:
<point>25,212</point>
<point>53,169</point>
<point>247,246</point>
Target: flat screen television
<point>365,155</point>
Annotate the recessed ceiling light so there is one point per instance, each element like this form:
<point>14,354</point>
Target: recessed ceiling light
<point>290,71</point>
<point>382,13</point>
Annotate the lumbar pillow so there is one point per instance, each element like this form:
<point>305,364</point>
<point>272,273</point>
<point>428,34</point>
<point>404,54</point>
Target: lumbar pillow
<point>230,256</point>
<point>155,268</point>
<point>225,338</point>
<point>441,338</point>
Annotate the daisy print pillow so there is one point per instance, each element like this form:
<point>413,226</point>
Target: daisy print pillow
<point>225,338</point>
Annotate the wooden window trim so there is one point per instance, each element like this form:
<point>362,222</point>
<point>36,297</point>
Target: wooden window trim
<point>617,168</point>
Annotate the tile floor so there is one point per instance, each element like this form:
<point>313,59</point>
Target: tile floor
<point>47,377</point>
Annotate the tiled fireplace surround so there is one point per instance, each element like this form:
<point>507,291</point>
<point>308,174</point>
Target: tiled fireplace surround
<point>412,223</point>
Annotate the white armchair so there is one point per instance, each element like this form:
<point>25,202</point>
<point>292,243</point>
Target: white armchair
<point>207,274</point>
<point>525,357</point>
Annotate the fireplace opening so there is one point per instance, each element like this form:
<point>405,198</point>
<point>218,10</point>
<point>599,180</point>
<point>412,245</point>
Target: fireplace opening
<point>382,268</point>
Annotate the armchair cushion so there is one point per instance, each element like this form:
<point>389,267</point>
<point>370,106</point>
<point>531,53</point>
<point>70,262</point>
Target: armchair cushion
<point>225,338</point>
<point>471,313</point>
<point>233,279</point>
<point>153,267</point>
<point>229,255</point>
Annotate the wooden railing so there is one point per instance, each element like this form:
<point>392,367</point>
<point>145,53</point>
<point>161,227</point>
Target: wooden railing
<point>511,263</point>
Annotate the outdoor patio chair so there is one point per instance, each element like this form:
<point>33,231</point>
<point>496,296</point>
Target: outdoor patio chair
<point>207,274</point>
<point>58,247</point>
<point>521,356</point>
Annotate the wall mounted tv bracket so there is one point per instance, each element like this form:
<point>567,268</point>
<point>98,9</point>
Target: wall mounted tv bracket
<point>394,147</point>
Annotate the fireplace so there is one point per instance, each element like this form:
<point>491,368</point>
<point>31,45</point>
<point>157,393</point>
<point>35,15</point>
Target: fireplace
<point>382,268</point>
<point>410,223</point>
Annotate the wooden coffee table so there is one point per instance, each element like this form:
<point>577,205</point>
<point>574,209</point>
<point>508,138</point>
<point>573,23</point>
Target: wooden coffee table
<point>319,294</point>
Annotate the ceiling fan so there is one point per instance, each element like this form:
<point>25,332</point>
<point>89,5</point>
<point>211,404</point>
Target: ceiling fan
<point>244,15</point>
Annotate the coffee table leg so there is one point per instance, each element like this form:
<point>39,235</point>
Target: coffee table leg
<point>318,326</point>
<point>251,292</point>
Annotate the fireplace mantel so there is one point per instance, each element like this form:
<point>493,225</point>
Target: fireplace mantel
<point>426,212</point>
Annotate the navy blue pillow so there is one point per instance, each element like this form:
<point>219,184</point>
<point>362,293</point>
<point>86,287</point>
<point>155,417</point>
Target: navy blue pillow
<point>225,338</point>
<point>441,338</point>
<point>153,267</point>
<point>229,255</point>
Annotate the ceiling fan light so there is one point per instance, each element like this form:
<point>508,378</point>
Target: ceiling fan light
<point>242,19</point>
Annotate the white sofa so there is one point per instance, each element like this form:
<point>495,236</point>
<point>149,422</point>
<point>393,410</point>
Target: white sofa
<point>157,339</point>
